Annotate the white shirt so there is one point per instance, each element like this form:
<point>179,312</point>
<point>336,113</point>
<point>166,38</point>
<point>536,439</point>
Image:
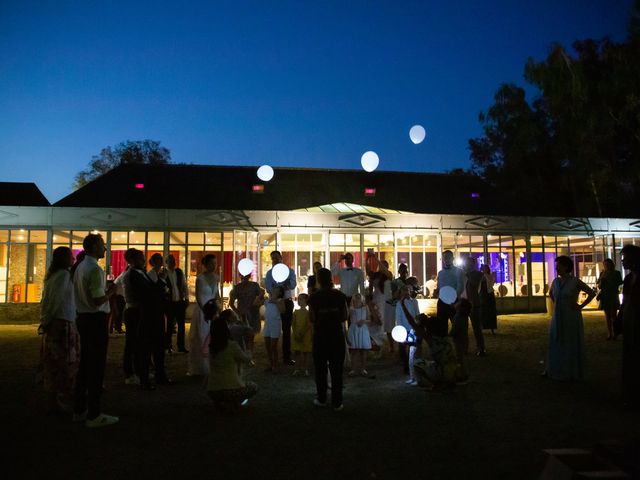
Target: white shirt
<point>119,282</point>
<point>89,282</point>
<point>57,298</point>
<point>351,279</point>
<point>172,276</point>
<point>412,307</point>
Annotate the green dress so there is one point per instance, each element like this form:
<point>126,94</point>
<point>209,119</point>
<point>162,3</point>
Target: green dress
<point>609,283</point>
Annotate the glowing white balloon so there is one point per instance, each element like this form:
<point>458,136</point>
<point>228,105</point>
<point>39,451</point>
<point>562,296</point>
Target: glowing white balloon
<point>399,334</point>
<point>369,161</point>
<point>245,266</point>
<point>280,272</point>
<point>448,295</point>
<point>417,134</point>
<point>265,173</point>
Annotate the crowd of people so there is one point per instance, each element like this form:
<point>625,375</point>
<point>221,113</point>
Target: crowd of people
<point>330,329</point>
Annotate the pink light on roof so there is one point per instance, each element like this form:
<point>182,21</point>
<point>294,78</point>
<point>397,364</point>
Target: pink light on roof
<point>139,185</point>
<point>369,192</point>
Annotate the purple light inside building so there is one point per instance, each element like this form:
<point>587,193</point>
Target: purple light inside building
<point>475,195</point>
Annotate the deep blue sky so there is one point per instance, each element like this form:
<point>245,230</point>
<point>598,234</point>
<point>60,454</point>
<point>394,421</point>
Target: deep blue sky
<point>288,83</point>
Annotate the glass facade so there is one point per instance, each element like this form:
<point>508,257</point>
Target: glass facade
<point>523,265</point>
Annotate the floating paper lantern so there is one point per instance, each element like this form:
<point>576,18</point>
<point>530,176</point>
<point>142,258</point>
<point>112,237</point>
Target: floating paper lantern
<point>417,134</point>
<point>448,295</point>
<point>280,273</point>
<point>369,161</point>
<point>265,173</point>
<point>245,266</point>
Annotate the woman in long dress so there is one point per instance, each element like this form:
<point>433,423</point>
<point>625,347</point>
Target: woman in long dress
<point>609,284</point>
<point>566,357</point>
<point>380,286</point>
<point>61,342</point>
<point>631,327</point>
<point>207,288</point>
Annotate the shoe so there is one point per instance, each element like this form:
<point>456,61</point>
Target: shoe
<point>169,351</point>
<point>132,380</point>
<point>481,353</point>
<point>244,402</point>
<point>79,417</point>
<point>289,362</point>
<point>306,373</point>
<point>101,420</point>
<point>252,363</point>
<point>147,386</point>
<point>352,373</point>
<point>339,408</point>
<point>296,373</point>
<point>318,403</point>
<point>412,382</point>
<point>364,373</point>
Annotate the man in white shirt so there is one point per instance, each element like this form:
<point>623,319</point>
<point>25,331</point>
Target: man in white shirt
<point>288,286</point>
<point>351,278</point>
<point>449,276</point>
<point>92,305</point>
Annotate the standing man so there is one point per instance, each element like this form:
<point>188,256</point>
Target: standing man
<point>288,286</point>
<point>351,278</point>
<point>328,312</point>
<point>472,290</point>
<point>449,276</point>
<point>92,306</point>
<point>177,305</point>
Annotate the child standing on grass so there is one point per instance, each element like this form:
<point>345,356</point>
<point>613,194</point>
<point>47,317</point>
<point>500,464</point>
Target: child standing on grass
<point>358,337</point>
<point>301,336</point>
<point>273,308</point>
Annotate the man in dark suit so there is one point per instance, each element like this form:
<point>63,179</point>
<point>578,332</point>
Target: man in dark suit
<point>472,290</point>
<point>178,300</point>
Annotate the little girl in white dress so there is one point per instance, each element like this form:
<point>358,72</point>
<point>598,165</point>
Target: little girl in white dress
<point>358,336</point>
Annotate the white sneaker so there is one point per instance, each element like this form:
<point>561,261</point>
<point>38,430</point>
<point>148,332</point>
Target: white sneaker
<point>318,403</point>
<point>79,417</point>
<point>132,380</point>
<point>101,420</point>
<point>410,381</point>
<point>339,408</point>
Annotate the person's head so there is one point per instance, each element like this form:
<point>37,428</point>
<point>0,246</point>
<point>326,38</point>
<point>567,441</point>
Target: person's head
<point>348,260</point>
<point>470,264</point>
<point>170,262</point>
<point>323,278</point>
<point>229,316</point>
<point>316,266</point>
<point>93,245</point>
<point>276,257</point>
<point>447,258</point>
<point>129,255</point>
<point>384,266</point>
<point>303,300</point>
<point>485,269</point>
<point>156,262</point>
<point>356,301</point>
<point>220,335</point>
<point>61,259</point>
<point>209,262</point>
<point>630,255</point>
<point>608,264</point>
<point>276,293</point>
<point>210,310</point>
<point>414,285</point>
<point>403,270</point>
<point>564,265</point>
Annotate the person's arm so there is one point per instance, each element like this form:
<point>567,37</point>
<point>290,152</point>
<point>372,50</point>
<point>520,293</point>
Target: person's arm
<point>551,292</point>
<point>408,315</point>
<point>588,290</point>
<point>232,300</point>
<point>281,306</point>
<point>292,280</point>
<point>98,294</point>
<point>238,355</point>
<point>52,297</point>
<point>335,268</point>
<point>200,292</point>
<point>268,282</point>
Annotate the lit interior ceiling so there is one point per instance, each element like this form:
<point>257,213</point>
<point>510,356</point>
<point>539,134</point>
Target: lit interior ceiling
<point>349,208</point>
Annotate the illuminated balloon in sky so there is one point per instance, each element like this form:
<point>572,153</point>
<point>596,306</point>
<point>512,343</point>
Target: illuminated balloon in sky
<point>280,273</point>
<point>417,134</point>
<point>265,173</point>
<point>369,161</point>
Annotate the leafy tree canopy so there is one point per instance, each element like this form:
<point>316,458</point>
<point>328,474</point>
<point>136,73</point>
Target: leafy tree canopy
<point>577,142</point>
<point>139,152</point>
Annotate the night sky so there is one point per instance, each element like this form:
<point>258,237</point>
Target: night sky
<point>287,83</point>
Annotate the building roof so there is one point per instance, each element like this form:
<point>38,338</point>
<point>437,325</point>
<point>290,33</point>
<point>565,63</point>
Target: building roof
<point>209,187</point>
<point>22,194</point>
<point>231,188</point>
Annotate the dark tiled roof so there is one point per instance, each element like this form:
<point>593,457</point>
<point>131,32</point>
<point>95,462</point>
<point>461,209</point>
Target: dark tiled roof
<point>226,187</point>
<point>22,194</point>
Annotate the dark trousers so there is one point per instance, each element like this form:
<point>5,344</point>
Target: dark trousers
<point>175,316</point>
<point>117,305</point>
<point>331,352</point>
<point>444,314</point>
<point>476,324</point>
<point>131,323</point>
<point>151,337</point>
<point>287,318</point>
<point>94,338</point>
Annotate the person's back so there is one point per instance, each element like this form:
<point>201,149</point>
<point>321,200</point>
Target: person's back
<point>329,307</point>
<point>225,368</point>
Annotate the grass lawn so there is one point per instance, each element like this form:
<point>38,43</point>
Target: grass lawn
<point>494,427</point>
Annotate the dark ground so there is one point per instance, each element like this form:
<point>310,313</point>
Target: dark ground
<point>494,427</point>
